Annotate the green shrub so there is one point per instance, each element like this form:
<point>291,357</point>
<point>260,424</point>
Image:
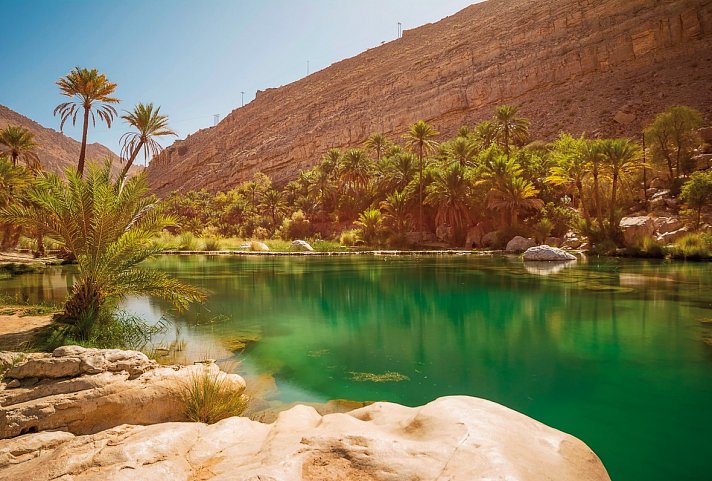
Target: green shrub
<point>693,246</point>
<point>295,227</point>
<point>212,244</point>
<point>647,247</point>
<point>211,395</point>
<point>260,233</point>
<point>349,238</point>
<point>186,242</point>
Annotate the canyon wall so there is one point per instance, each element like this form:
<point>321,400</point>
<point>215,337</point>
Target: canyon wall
<point>597,66</point>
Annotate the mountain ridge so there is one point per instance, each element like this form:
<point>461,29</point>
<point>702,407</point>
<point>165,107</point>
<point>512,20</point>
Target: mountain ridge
<point>609,65</point>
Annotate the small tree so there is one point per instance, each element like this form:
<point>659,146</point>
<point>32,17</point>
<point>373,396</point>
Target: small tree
<point>697,193</point>
<point>672,137</point>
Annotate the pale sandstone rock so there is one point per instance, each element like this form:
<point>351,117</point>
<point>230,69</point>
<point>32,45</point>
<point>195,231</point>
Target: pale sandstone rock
<point>519,244</point>
<point>553,241</point>
<point>104,388</point>
<point>636,228</point>
<point>457,438</point>
<point>259,246</point>
<point>664,225</point>
<point>671,237</point>
<point>547,253</point>
<point>301,245</point>
<point>489,239</point>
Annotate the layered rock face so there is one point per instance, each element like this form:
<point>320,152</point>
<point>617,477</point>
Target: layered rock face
<point>600,66</point>
<point>55,150</point>
<point>455,438</point>
<point>84,391</point>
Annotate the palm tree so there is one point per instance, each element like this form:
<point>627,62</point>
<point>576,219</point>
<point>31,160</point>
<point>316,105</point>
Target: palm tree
<point>449,194</point>
<point>420,139</point>
<point>13,179</point>
<point>149,124</point>
<point>369,222</point>
<point>396,217</point>
<point>330,163</point>
<point>590,152</point>
<point>273,204</point>
<point>510,127</point>
<point>378,143</point>
<point>486,133</point>
<point>517,194</point>
<point>620,157</point>
<point>18,143</point>
<point>461,150</point>
<point>571,167</point>
<point>87,87</point>
<point>355,169</point>
<point>110,229</point>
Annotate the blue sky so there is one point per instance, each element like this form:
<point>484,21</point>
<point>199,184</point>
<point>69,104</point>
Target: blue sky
<point>191,57</point>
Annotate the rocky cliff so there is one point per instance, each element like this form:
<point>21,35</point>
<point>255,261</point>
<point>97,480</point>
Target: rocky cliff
<point>56,150</point>
<point>604,66</point>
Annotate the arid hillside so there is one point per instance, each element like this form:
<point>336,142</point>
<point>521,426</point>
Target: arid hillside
<point>56,150</point>
<point>600,66</point>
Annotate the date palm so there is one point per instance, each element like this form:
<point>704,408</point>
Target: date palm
<point>516,194</point>
<point>571,167</point>
<point>355,170</point>
<point>149,125</point>
<point>92,94</point>
<point>378,143</point>
<point>18,143</point>
<point>396,208</point>
<point>273,205</point>
<point>462,150</point>
<point>449,194</point>
<point>620,158</point>
<point>110,229</point>
<point>420,140</point>
<point>510,128</point>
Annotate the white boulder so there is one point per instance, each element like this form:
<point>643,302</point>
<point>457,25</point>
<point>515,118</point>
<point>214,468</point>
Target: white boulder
<point>547,253</point>
<point>300,245</point>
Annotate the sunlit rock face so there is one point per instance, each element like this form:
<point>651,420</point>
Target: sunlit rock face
<point>455,438</point>
<point>84,391</point>
<point>597,66</point>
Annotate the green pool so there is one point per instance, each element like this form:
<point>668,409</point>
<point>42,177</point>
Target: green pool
<point>611,351</point>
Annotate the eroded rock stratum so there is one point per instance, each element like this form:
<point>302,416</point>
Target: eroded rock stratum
<point>595,66</point>
<point>453,438</point>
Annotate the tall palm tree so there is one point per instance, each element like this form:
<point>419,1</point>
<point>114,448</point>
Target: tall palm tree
<point>273,205</point>
<point>111,230</point>
<point>355,169</point>
<point>462,150</point>
<point>511,129</point>
<point>449,194</point>
<point>18,143</point>
<point>420,140</point>
<point>571,168</point>
<point>620,157</point>
<point>486,133</point>
<point>591,153</point>
<point>396,208</point>
<point>378,143</point>
<point>13,179</point>
<point>149,124</point>
<point>330,163</point>
<point>87,88</point>
<point>516,194</point>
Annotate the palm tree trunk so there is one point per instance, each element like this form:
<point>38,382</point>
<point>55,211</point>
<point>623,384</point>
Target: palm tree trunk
<point>14,159</point>
<point>130,162</point>
<point>40,243</point>
<point>83,152</point>
<point>420,192</point>
<point>614,188</point>
<point>597,200</point>
<point>582,205</point>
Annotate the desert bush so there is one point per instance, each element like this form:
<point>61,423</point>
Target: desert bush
<point>295,227</point>
<point>211,395</point>
<point>260,233</point>
<point>186,242</point>
<point>693,246</point>
<point>349,238</point>
<point>212,244</point>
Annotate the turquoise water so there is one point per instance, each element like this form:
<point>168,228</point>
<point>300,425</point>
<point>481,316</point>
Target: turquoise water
<point>611,351</point>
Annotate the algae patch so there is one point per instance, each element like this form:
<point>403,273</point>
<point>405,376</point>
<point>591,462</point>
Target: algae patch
<point>388,376</point>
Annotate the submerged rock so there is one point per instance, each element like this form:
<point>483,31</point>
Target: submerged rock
<point>84,391</point>
<point>547,253</point>
<point>457,438</point>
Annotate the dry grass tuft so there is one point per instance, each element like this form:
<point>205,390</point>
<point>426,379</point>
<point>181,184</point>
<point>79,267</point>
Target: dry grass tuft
<point>211,396</point>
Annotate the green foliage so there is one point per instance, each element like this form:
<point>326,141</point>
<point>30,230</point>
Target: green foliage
<point>694,246</point>
<point>369,222</point>
<point>295,227</point>
<point>110,228</point>
<point>648,247</point>
<point>696,192</point>
<point>18,143</point>
<point>349,238</point>
<point>672,138</point>
<point>211,395</point>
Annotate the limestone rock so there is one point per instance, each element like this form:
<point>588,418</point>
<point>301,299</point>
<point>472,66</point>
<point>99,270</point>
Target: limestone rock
<point>519,244</point>
<point>571,241</point>
<point>97,389</point>
<point>457,438</point>
<point>489,239</point>
<point>474,235</point>
<point>553,241</point>
<point>671,237</point>
<point>664,225</point>
<point>706,134</point>
<point>547,253</point>
<point>636,228</point>
<point>572,60</point>
<point>300,245</point>
<point>259,246</point>
<point>624,118</point>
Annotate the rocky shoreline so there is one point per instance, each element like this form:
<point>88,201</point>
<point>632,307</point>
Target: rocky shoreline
<point>88,414</point>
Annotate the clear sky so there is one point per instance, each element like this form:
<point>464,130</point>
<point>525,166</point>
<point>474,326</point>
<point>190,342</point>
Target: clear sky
<point>191,57</point>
